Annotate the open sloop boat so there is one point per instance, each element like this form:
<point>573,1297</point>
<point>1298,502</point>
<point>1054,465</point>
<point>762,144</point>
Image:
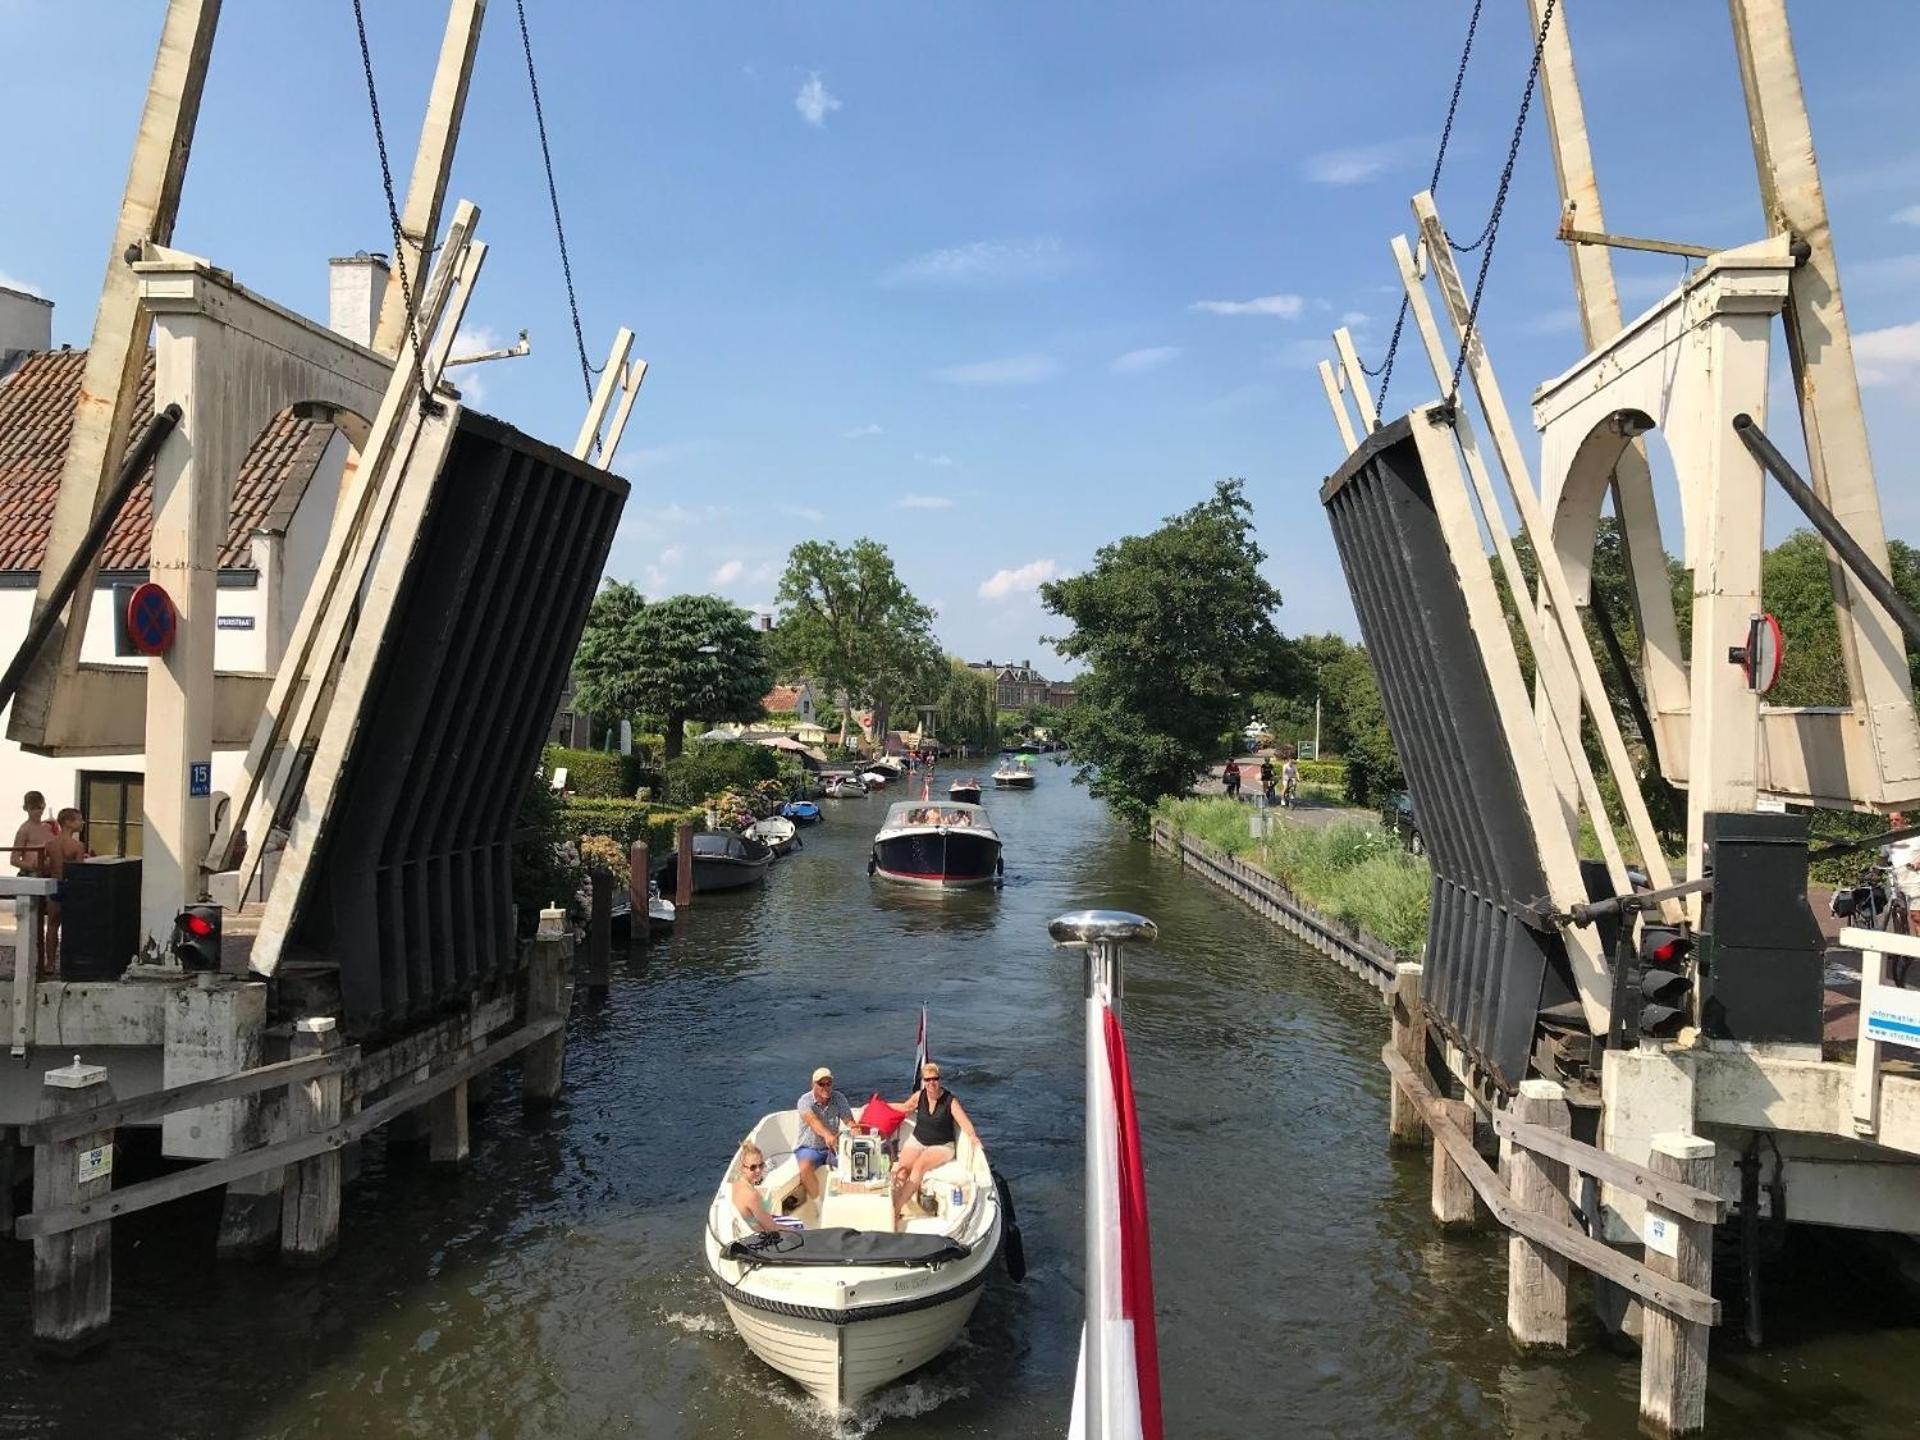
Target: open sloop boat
<point>853,1300</point>
<point>936,844</point>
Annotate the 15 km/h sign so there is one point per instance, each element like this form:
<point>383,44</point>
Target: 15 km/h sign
<point>151,619</point>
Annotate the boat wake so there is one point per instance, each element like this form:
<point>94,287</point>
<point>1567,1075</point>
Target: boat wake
<point>699,1324</point>
<point>902,1401</point>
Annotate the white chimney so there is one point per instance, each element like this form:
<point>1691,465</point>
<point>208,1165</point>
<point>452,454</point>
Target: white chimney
<point>26,324</point>
<point>356,284</point>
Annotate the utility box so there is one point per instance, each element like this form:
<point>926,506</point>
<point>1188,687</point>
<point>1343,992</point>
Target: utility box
<point>1763,956</point>
<point>99,918</point>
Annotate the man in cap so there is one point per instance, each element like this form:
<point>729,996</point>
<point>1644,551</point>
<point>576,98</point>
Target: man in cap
<point>823,1110</point>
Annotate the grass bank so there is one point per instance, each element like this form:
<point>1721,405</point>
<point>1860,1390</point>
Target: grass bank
<point>1352,871</point>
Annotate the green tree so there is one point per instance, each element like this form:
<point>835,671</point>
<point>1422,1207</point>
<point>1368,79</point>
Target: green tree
<point>608,662</point>
<point>968,715</point>
<point>852,623</point>
<point>697,657</point>
<point>710,766</point>
<point>1353,691</point>
<point>1176,628</point>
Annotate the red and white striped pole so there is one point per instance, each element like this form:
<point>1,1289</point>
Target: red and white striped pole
<point>1117,1393</point>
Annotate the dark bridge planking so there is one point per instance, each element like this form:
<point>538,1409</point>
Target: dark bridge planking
<point>1493,961</point>
<point>412,890</point>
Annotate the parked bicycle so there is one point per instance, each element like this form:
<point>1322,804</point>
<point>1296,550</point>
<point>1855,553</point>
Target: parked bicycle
<point>1874,901</point>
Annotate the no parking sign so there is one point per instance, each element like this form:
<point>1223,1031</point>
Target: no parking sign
<point>151,619</point>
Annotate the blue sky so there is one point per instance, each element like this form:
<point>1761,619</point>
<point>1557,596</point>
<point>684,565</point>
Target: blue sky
<point>992,283</point>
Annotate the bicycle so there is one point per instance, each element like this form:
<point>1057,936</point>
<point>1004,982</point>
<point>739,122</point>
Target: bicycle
<point>1875,901</point>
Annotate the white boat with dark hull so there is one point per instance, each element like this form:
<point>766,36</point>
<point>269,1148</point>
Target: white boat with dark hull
<point>964,792</point>
<point>853,1301</point>
<point>1012,776</point>
<point>722,860</point>
<point>936,844</point>
<point>776,832</point>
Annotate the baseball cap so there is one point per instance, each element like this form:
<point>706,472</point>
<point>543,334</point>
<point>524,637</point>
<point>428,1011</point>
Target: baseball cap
<point>823,1073</point>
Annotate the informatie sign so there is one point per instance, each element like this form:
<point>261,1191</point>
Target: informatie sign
<point>1890,1016</point>
<point>1663,1235</point>
<point>94,1164</point>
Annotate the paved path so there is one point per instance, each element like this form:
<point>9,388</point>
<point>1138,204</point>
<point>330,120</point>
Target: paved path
<point>1319,814</point>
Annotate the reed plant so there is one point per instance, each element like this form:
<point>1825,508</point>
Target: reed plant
<point>1351,870</point>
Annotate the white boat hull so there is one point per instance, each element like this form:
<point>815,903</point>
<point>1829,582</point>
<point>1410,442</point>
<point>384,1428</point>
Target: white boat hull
<point>839,1365</point>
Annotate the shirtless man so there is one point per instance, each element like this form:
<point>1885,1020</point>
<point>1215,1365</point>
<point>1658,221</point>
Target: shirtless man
<point>32,846</point>
<point>69,844</point>
<point>748,1203</point>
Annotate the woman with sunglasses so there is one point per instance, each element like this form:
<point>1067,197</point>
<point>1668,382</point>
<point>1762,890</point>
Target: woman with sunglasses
<point>936,1114</point>
<point>748,1203</point>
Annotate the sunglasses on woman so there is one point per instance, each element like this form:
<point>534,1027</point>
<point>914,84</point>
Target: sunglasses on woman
<point>754,1165</point>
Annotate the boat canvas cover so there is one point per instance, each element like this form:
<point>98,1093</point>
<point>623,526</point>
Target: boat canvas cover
<point>841,1246</point>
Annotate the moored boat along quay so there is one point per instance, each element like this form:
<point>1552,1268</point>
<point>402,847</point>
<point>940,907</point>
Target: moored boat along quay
<point>557,1287</point>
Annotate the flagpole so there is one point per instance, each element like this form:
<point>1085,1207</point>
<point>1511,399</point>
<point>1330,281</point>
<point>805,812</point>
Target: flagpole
<point>1102,933</point>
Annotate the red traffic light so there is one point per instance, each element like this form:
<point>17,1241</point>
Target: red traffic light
<point>197,925</point>
<point>1663,945</point>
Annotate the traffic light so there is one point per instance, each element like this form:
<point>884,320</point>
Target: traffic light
<point>196,937</point>
<point>1666,987</point>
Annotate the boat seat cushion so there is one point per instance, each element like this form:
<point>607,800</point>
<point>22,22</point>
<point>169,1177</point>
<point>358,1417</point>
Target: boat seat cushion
<point>951,1173</point>
<point>926,1225</point>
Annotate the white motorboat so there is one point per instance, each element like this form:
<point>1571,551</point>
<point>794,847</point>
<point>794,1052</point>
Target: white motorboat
<point>852,1301</point>
<point>945,847</point>
<point>876,779</point>
<point>844,787</point>
<point>776,831</point>
<point>1013,776</point>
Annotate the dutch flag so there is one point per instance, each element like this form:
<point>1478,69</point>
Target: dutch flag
<point>1121,1387</point>
<point>919,1052</point>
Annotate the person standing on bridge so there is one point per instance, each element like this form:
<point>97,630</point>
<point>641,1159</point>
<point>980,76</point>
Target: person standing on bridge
<point>33,844</point>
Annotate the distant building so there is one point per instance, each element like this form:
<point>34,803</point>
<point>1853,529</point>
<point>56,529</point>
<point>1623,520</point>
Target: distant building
<point>570,727</point>
<point>1015,687</point>
<point>1060,694</point>
<point>791,704</point>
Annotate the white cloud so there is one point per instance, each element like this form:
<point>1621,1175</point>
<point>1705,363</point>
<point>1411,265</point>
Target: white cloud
<point>1353,319</point>
<point>1908,216</point>
<point>1286,307</point>
<point>673,555</point>
<point>1021,580</point>
<point>1355,164</point>
<point>861,432</point>
<point>923,502</point>
<point>940,460</point>
<point>1890,272</point>
<point>803,512</point>
<point>1009,370</point>
<point>815,102</point>
<point>731,571</point>
<point>983,262</point>
<point>1890,356</point>
<point>7,282</point>
<point>1150,358</point>
<point>656,579</point>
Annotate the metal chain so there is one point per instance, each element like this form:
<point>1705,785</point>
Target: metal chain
<point>1433,183</point>
<point>587,371</point>
<point>1492,231</point>
<point>393,212</point>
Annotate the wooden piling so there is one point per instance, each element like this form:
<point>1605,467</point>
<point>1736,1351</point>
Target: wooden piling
<point>310,1195</point>
<point>1537,1275</point>
<point>600,929</point>
<point>1453,1197</point>
<point>447,1123</point>
<point>73,1270</point>
<point>548,997</point>
<point>1410,1040</point>
<point>1673,1352</point>
<point>683,872</point>
<point>9,1175</point>
<point>639,875</point>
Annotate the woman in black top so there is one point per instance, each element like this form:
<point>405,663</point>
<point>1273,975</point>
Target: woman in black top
<point>936,1116</point>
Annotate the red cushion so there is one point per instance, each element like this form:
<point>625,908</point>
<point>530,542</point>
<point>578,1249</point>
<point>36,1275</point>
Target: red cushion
<point>881,1116</point>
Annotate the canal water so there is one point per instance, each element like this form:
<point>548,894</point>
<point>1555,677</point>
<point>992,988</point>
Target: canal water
<point>556,1289</point>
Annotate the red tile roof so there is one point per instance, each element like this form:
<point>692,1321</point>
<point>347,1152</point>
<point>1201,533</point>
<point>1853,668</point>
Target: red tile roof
<point>36,419</point>
<point>781,700</point>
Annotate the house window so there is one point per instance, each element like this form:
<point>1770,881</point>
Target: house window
<point>111,800</point>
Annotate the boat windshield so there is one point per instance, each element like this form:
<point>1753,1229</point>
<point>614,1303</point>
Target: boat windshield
<point>957,817</point>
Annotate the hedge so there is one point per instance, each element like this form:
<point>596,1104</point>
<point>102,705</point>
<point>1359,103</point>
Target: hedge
<point>1323,772</point>
<point>603,774</point>
<point>626,821</point>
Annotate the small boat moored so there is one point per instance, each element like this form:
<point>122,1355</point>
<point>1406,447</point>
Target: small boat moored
<point>876,779</point>
<point>776,832</point>
<point>722,860</point>
<point>944,846</point>
<point>964,792</point>
<point>660,911</point>
<point>802,812</point>
<point>854,1299</point>
<point>844,787</point>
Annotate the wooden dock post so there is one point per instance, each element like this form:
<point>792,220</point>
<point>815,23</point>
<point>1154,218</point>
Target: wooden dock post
<point>310,1195</point>
<point>447,1126</point>
<point>1673,1352</point>
<point>600,929</point>
<point>639,877</point>
<point>547,998</point>
<point>1453,1197</point>
<point>73,1270</point>
<point>1537,1275</point>
<point>1410,1039</point>
<point>683,872</point>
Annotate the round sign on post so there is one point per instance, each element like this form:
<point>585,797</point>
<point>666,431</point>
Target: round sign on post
<point>1760,657</point>
<point>151,619</point>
